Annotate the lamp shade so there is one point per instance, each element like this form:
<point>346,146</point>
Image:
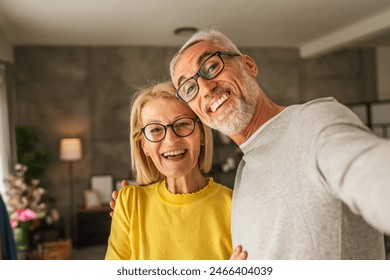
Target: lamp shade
<point>70,149</point>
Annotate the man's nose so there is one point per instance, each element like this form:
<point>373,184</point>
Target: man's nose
<point>206,87</point>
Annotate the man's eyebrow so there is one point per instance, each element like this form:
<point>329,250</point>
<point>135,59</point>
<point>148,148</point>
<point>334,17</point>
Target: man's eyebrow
<point>199,62</point>
<point>201,58</point>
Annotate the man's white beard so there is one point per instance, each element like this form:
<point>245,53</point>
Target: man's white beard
<point>238,115</point>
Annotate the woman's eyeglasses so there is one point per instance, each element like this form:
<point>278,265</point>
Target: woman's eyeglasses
<point>182,127</point>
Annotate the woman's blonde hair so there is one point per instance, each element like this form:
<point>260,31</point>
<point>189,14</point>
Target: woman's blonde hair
<point>143,167</point>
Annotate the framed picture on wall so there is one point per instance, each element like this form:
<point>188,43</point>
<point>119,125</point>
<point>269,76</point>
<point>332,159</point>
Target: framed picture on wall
<point>92,199</point>
<point>104,185</point>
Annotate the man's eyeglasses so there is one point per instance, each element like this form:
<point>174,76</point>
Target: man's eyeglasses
<point>209,69</point>
<point>155,132</point>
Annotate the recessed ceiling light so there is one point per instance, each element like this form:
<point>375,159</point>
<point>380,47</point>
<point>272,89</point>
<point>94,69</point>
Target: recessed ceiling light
<point>185,31</point>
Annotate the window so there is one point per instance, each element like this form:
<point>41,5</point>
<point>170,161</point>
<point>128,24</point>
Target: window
<point>376,115</point>
<point>5,149</point>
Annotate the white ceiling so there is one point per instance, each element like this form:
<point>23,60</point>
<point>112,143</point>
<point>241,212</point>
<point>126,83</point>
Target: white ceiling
<point>314,26</point>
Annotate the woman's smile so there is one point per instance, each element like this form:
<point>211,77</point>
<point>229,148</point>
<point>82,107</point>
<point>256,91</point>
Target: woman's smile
<point>175,154</point>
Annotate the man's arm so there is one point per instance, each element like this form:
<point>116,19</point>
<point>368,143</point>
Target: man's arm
<point>351,160</point>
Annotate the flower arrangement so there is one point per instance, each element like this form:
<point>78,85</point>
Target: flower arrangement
<point>21,215</point>
<point>24,200</point>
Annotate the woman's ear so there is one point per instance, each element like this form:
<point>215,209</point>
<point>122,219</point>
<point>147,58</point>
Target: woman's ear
<point>251,65</point>
<point>144,148</point>
<point>202,137</point>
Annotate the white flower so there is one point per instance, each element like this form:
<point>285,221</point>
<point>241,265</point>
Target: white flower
<point>21,195</point>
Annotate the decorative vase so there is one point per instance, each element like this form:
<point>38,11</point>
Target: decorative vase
<point>21,235</point>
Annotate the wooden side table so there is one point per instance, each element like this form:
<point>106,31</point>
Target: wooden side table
<point>53,250</point>
<point>93,226</point>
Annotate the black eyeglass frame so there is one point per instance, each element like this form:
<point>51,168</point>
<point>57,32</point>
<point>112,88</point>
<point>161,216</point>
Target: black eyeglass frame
<point>195,120</point>
<point>198,74</point>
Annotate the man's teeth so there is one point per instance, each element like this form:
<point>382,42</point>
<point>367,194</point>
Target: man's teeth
<point>173,153</point>
<point>218,103</point>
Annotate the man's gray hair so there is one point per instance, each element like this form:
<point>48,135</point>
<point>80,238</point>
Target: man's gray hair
<point>215,37</point>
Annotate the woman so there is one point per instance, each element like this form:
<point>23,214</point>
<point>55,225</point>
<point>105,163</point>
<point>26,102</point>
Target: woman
<point>177,213</point>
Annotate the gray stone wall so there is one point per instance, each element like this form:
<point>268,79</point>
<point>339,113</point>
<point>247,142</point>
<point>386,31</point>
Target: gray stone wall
<point>347,75</point>
<point>86,92</point>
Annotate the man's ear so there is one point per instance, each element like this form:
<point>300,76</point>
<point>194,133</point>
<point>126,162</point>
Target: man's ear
<point>251,65</point>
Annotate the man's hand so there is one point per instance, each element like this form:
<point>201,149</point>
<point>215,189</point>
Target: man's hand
<point>239,254</point>
<point>114,196</point>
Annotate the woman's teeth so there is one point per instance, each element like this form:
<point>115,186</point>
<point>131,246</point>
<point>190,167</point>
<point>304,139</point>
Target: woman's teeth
<point>218,103</point>
<point>173,153</point>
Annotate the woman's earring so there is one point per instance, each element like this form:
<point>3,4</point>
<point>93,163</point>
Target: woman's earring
<point>147,154</point>
<point>202,141</point>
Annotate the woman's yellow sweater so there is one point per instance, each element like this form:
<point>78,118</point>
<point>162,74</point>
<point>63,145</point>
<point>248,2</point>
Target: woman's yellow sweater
<point>150,223</point>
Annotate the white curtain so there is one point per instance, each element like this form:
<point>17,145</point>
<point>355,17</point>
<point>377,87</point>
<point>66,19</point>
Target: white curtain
<point>5,148</point>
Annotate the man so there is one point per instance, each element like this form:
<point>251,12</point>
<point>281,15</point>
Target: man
<point>313,183</point>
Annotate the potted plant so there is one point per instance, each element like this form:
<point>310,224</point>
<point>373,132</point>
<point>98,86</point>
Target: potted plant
<point>29,153</point>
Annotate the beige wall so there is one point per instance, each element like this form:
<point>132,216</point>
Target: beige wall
<point>6,51</point>
<point>383,72</point>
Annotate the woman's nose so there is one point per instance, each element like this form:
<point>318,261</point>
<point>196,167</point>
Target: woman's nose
<point>171,137</point>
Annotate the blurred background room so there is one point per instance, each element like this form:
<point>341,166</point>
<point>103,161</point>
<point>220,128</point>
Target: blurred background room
<point>68,70</point>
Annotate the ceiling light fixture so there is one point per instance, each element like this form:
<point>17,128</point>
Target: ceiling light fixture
<point>185,31</point>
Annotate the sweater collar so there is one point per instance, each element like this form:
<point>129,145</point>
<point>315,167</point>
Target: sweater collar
<point>185,198</point>
<point>248,145</point>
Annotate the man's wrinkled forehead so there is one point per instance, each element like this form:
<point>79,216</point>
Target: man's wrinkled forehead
<point>190,60</point>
